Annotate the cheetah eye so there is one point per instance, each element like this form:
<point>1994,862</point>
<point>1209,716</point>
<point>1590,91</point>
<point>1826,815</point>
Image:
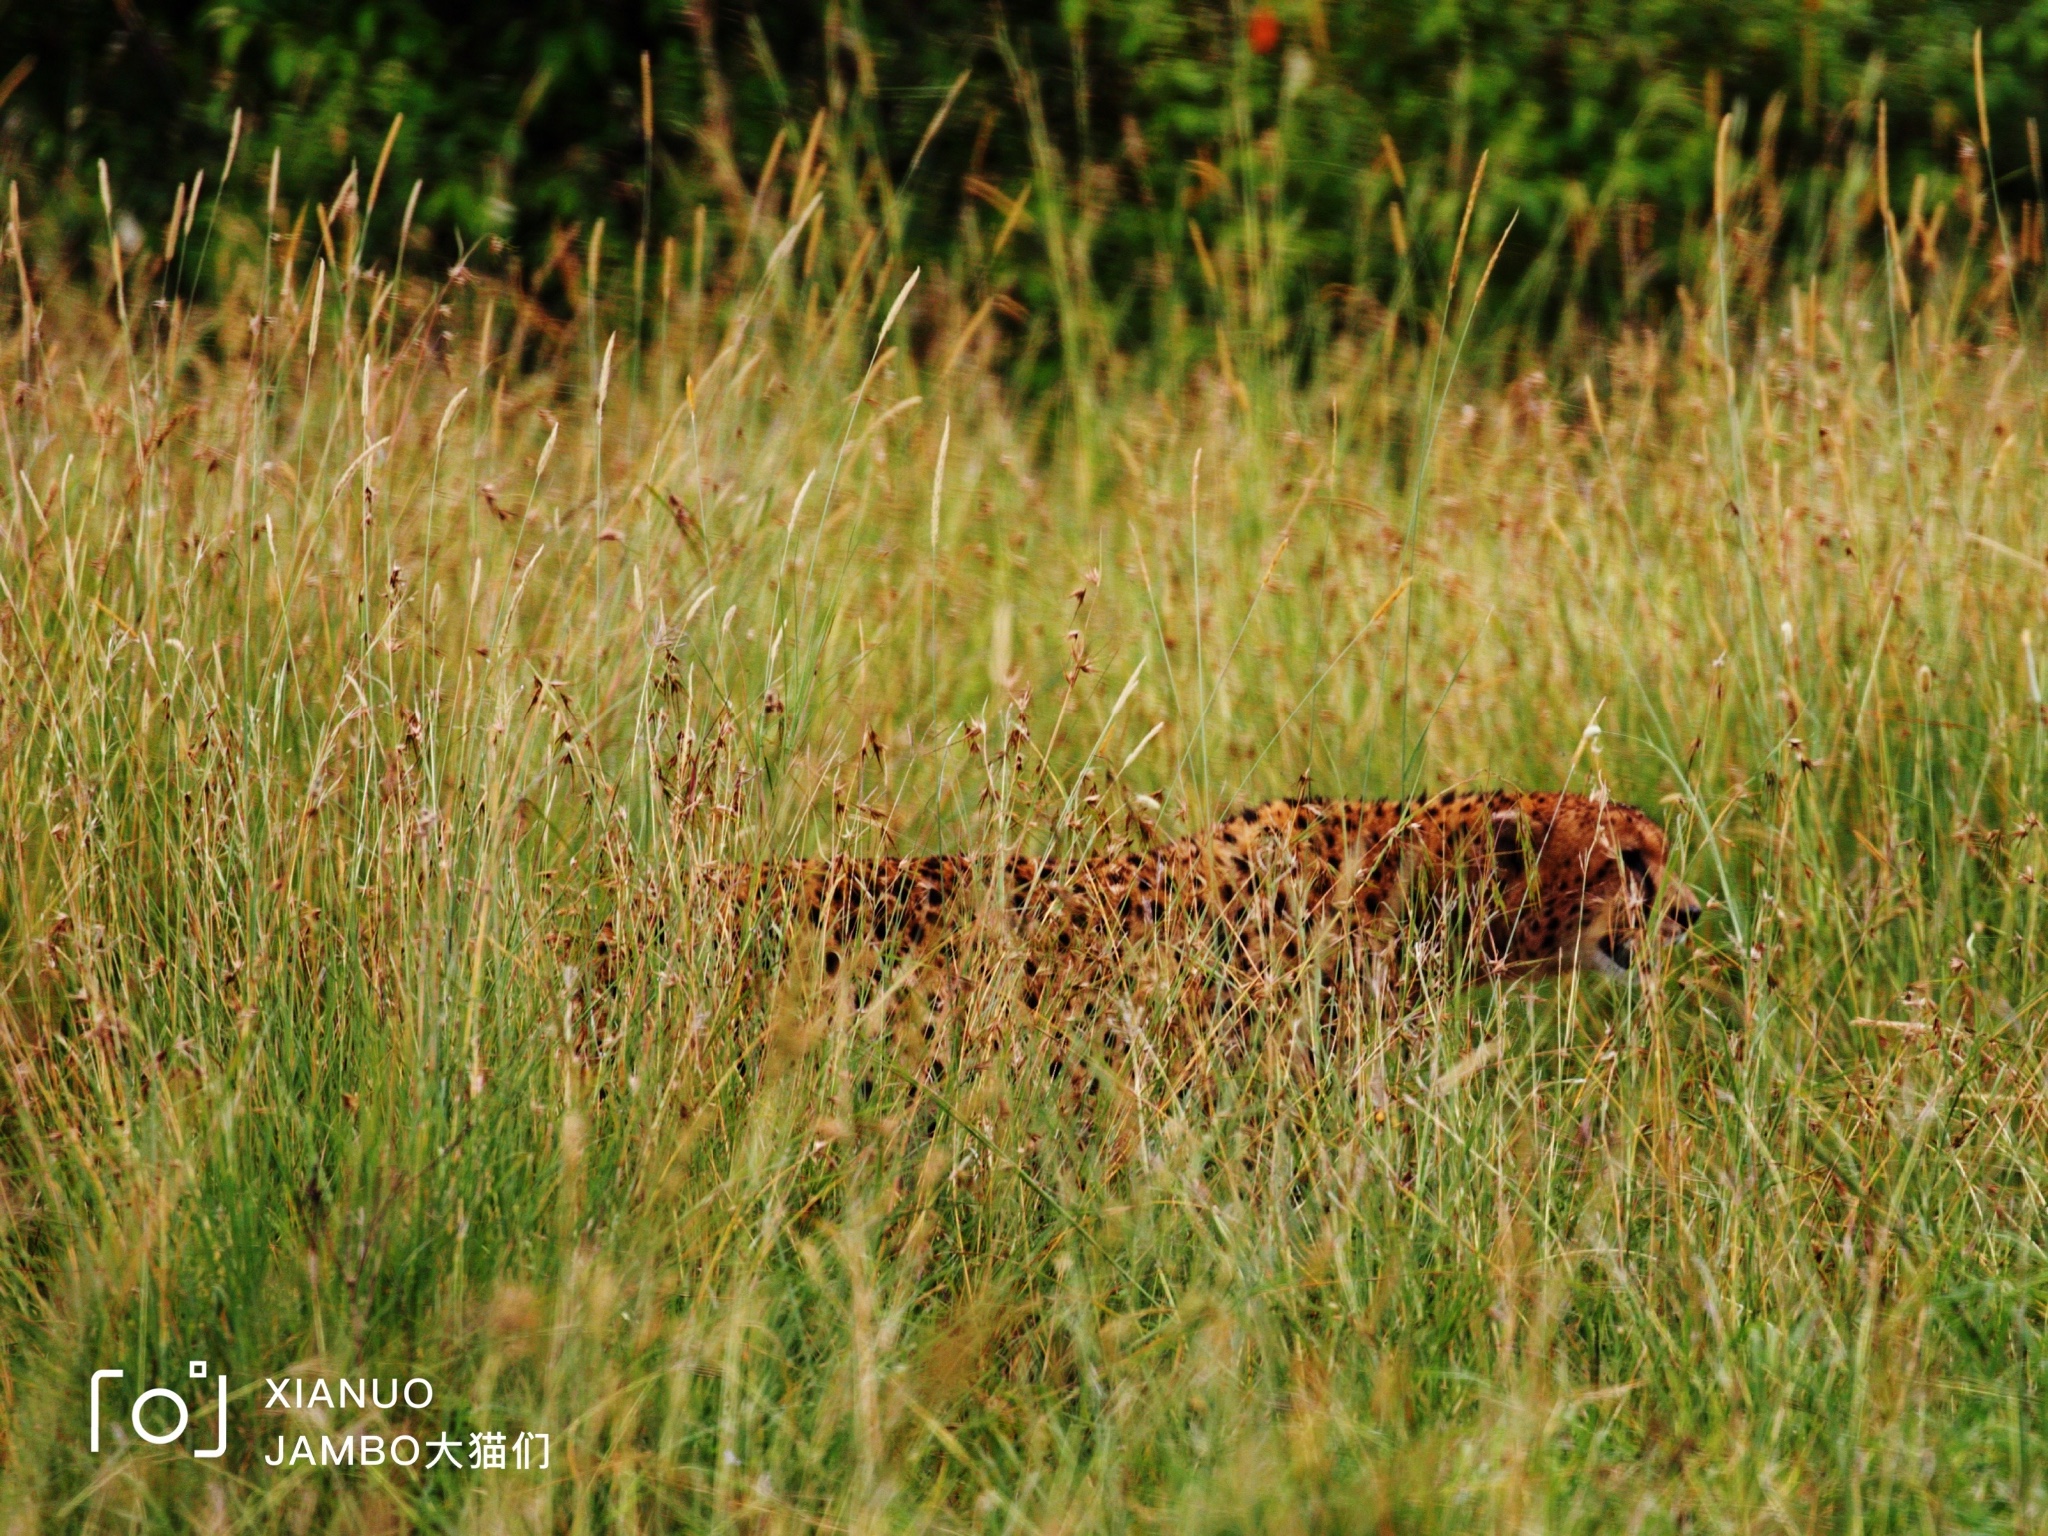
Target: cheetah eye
<point>1637,863</point>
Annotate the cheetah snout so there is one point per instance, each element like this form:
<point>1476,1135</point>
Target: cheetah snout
<point>1615,954</point>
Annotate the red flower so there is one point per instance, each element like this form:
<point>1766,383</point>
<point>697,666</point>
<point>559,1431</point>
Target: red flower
<point>1262,31</point>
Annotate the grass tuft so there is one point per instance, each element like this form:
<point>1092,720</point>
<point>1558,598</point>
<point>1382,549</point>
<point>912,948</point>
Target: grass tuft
<point>369,644</point>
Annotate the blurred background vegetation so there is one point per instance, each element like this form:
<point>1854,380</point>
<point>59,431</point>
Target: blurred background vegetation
<point>1315,152</point>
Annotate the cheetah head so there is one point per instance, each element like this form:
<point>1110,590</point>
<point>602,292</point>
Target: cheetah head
<point>1603,896</point>
<point>1629,898</point>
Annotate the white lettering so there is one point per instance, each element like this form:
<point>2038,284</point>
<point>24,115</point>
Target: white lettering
<point>321,1398</point>
<point>419,1381</point>
<point>352,1389</point>
<point>221,1439</point>
<point>372,1447</point>
<point>303,1451</point>
<point>345,1457</point>
<point>277,1391</point>
<point>278,1459</point>
<point>377,1395</point>
<point>405,1461</point>
<point>97,1378</point>
<point>135,1416</point>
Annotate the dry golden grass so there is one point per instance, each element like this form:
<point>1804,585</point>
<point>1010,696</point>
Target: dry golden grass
<point>361,661</point>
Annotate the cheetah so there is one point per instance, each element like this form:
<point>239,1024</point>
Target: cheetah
<point>1529,884</point>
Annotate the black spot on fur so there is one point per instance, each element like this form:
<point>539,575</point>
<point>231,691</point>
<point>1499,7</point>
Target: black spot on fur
<point>1507,847</point>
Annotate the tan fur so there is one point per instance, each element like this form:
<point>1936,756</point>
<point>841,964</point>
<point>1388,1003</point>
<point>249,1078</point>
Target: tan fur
<point>1533,884</point>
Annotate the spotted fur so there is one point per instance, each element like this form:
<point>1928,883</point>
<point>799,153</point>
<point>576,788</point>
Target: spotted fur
<point>1521,884</point>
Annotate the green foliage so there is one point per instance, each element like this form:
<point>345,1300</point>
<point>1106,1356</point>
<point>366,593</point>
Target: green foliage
<point>1599,121</point>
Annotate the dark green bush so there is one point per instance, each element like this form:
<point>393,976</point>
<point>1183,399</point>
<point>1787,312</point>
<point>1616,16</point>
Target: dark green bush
<point>1599,119</point>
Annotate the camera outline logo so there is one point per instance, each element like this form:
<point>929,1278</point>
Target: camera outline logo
<point>195,1370</point>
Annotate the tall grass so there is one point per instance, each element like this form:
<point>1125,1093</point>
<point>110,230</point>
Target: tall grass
<point>366,654</point>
